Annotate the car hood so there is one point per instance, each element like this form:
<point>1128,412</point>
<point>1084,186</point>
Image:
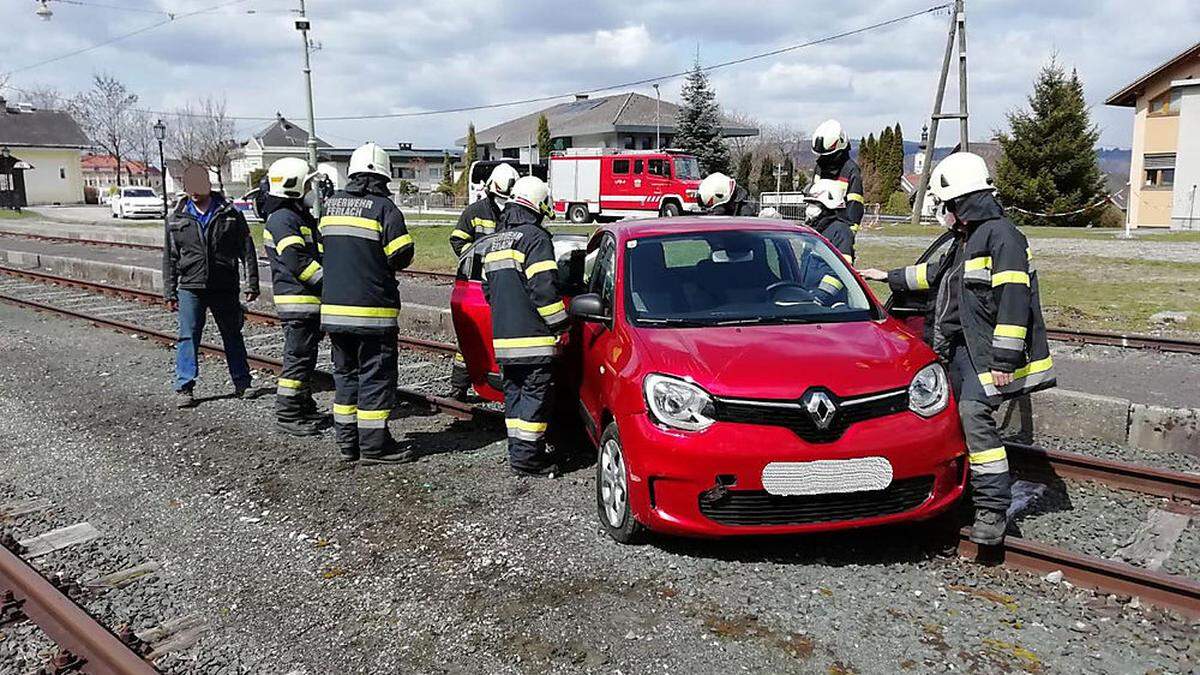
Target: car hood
<point>143,201</point>
<point>781,362</point>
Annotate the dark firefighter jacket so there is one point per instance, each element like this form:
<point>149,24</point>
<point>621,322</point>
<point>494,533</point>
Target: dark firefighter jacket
<point>520,282</point>
<point>838,231</point>
<point>477,220</point>
<point>365,243</point>
<point>840,167</point>
<point>738,205</point>
<point>208,259</point>
<point>292,244</point>
<point>989,271</point>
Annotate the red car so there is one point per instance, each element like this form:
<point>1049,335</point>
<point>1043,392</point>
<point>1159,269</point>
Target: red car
<point>737,377</point>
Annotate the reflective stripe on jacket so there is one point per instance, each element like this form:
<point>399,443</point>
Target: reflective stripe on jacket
<point>477,220</point>
<point>520,282</point>
<point>291,241</point>
<point>365,242</point>
<point>840,167</point>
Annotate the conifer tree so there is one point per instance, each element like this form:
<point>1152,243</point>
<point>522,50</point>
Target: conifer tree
<point>766,175</point>
<point>698,125</point>
<point>744,166</point>
<point>543,137</point>
<point>788,178</point>
<point>472,152</point>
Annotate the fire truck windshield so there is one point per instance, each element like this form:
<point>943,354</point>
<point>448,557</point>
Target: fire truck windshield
<point>686,168</point>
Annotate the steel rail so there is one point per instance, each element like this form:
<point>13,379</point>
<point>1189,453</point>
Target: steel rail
<point>1136,477</point>
<point>64,621</point>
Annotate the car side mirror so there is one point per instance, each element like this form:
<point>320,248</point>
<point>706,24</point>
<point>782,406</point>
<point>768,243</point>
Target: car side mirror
<point>588,307</point>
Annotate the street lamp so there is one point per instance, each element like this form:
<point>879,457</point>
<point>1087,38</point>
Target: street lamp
<point>657,122</point>
<point>160,134</point>
<point>44,10</point>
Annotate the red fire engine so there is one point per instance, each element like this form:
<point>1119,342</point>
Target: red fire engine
<point>592,183</point>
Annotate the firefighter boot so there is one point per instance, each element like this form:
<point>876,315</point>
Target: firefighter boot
<point>989,527</point>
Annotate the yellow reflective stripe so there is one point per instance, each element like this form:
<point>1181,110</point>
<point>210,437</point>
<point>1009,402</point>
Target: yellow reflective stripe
<point>289,384</point>
<point>293,240</point>
<point>854,197</point>
<point>483,222</point>
<point>544,266</point>
<point>351,221</point>
<point>320,247</point>
<point>459,234</point>
<point>1024,371</point>
<point>516,343</point>
<point>352,310</point>
<point>397,244</point>
<point>344,409</point>
<point>1029,254</point>
<point>982,263</point>
<point>267,238</point>
<point>988,456</point>
<point>923,276</point>
<point>373,414</point>
<point>313,268</point>
<point>504,254</point>
<point>304,229</point>
<point>515,423</point>
<point>297,300</point>
<point>552,309</point>
<point>1010,331</point>
<point>833,281</point>
<point>1010,277</point>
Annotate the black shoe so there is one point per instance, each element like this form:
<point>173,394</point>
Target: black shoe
<point>348,453</point>
<point>184,399</point>
<point>459,394</point>
<point>989,527</point>
<point>389,456</point>
<point>298,427</point>
<point>550,470</point>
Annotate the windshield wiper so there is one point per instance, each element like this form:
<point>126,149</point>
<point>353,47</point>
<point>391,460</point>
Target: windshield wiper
<point>753,320</point>
<point>671,321</point>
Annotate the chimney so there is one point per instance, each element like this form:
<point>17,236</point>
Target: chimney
<point>581,97</point>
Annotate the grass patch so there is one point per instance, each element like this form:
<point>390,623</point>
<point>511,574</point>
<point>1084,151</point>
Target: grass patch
<point>9,214</point>
<point>931,231</point>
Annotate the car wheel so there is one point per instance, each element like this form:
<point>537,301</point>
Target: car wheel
<point>669,210</point>
<point>612,490</point>
<point>578,214</point>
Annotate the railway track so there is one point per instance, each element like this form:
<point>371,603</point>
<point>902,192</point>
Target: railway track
<point>1077,336</point>
<point>1106,576</point>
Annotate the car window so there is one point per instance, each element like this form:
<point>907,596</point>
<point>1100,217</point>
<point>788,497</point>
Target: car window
<point>602,278</point>
<point>620,166</point>
<point>638,165</point>
<point>657,167</point>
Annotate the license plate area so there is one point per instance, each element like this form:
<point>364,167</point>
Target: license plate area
<point>827,476</point>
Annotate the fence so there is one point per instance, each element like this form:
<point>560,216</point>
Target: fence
<point>791,205</point>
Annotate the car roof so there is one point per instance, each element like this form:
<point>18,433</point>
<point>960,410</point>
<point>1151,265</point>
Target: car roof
<point>654,227</point>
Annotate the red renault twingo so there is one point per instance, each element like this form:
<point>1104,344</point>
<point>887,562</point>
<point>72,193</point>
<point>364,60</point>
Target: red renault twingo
<point>737,377</point>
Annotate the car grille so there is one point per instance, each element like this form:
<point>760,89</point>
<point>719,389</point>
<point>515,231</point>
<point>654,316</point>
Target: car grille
<point>794,416</point>
<point>755,507</point>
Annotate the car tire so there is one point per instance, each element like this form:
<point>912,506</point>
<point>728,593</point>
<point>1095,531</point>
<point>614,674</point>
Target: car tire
<point>669,210</point>
<point>579,214</point>
<point>612,490</point>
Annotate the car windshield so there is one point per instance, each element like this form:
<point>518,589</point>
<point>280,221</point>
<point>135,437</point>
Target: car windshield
<point>687,168</point>
<point>740,277</point>
<point>145,192</point>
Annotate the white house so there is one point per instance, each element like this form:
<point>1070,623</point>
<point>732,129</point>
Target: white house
<point>278,139</point>
<point>51,142</point>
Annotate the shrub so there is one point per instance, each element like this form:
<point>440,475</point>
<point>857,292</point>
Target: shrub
<point>897,204</point>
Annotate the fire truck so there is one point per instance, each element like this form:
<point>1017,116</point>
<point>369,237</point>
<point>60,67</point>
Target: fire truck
<point>607,183</point>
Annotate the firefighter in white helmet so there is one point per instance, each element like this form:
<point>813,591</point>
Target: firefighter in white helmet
<point>987,323</point>
<point>720,195</point>
<point>832,148</point>
<point>292,245</point>
<point>520,282</point>
<point>825,203</point>
<point>366,242</point>
<point>479,220</point>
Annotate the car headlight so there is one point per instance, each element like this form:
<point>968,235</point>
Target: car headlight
<point>677,403</point>
<point>929,391</point>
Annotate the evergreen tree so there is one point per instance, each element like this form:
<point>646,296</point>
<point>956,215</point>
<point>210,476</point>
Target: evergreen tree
<point>472,151</point>
<point>766,175</point>
<point>1049,163</point>
<point>881,159</point>
<point>802,180</point>
<point>898,153</point>
<point>698,125</point>
<point>867,155</point>
<point>744,166</point>
<point>447,184</point>
<point>543,137</point>
<point>863,151</point>
<point>789,170</point>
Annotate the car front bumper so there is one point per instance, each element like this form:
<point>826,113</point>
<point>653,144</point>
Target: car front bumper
<point>709,483</point>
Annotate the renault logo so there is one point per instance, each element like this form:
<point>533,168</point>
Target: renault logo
<point>820,407</point>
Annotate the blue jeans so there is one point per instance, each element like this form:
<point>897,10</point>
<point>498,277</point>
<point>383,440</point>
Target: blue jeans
<point>227,312</point>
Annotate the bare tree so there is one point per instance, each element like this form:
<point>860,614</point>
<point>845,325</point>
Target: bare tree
<point>44,97</point>
<point>106,114</point>
<point>740,145</point>
<point>143,146</point>
<point>203,135</point>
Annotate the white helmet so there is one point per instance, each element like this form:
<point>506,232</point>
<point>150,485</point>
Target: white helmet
<point>502,179</point>
<point>829,138</point>
<point>716,189</point>
<point>288,178</point>
<point>532,193</point>
<point>959,174</point>
<point>827,191</point>
<point>370,158</point>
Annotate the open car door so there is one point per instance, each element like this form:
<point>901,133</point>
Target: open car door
<point>913,307</point>
<point>472,316</point>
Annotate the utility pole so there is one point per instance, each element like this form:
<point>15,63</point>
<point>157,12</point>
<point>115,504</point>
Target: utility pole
<point>657,120</point>
<point>958,26</point>
<point>303,25</point>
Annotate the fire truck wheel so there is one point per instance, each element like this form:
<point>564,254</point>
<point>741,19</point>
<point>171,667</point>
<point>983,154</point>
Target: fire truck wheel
<point>578,214</point>
<point>669,210</point>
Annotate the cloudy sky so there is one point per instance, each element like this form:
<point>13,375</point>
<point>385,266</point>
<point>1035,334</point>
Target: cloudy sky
<point>388,56</point>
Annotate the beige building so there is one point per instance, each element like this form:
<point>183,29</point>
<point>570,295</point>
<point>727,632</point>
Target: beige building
<point>49,141</point>
<point>1165,164</point>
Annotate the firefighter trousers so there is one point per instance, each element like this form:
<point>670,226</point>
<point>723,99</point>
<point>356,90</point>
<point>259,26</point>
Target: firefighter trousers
<point>460,379</point>
<point>991,484</point>
<point>364,377</point>
<point>527,400</point>
<point>293,390</point>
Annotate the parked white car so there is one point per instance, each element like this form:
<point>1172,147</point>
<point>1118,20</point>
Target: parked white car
<point>133,202</point>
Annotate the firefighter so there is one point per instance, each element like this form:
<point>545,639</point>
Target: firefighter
<point>825,203</point>
<point>832,148</point>
<point>520,282</point>
<point>720,195</point>
<point>291,241</point>
<point>987,324</point>
<point>478,220</point>
<point>365,244</point>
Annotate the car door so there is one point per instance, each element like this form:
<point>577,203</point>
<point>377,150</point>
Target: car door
<point>596,337</point>
<point>912,307</point>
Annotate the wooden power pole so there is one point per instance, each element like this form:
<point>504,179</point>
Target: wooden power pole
<point>958,27</point>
